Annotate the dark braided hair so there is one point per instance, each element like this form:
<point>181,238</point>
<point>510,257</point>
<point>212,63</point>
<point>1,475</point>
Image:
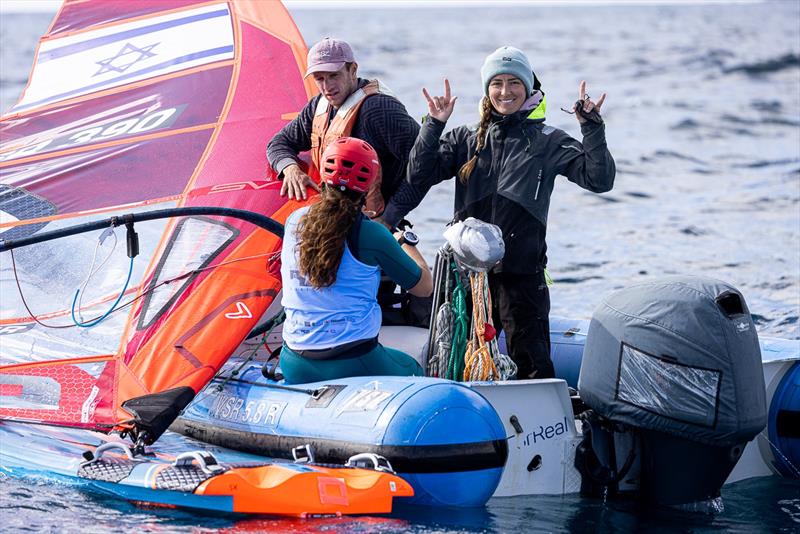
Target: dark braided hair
<point>486,116</point>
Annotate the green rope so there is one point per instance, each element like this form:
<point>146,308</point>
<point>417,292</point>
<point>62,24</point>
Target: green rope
<point>455,367</point>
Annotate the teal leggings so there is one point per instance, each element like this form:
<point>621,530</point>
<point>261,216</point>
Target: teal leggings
<point>380,361</point>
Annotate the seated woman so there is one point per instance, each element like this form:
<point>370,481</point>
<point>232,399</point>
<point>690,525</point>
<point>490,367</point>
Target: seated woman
<point>332,258</point>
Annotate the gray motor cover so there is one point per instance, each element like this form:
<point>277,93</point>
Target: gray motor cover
<point>679,355</point>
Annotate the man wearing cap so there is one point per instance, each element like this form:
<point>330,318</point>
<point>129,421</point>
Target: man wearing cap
<point>349,106</point>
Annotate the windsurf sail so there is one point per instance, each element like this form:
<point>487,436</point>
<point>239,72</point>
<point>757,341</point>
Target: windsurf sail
<point>134,108</point>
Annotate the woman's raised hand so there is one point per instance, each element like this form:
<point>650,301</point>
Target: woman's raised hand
<point>588,104</point>
<point>440,107</point>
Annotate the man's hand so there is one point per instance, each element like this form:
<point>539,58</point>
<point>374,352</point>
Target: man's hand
<point>295,182</point>
<point>441,107</point>
<point>587,104</point>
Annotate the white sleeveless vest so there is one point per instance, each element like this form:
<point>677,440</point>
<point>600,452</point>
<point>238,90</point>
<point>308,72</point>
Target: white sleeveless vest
<point>343,312</point>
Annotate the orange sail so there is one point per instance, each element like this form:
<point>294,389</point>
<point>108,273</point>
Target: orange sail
<point>135,108</point>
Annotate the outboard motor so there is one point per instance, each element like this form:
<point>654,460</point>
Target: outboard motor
<point>677,360</point>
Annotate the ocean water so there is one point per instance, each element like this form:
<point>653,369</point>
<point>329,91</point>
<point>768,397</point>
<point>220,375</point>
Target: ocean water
<point>703,119</point>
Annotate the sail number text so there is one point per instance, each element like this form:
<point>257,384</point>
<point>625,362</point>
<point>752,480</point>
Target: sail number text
<point>233,408</point>
<point>132,126</point>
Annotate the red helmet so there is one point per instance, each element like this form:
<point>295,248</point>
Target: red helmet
<point>349,163</point>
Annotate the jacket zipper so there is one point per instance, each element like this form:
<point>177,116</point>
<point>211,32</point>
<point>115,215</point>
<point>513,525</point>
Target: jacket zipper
<point>497,179</point>
<point>538,185</point>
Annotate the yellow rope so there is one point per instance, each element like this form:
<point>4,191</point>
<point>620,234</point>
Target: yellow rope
<point>478,362</point>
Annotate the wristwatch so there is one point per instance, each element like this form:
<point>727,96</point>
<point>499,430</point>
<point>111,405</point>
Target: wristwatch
<point>408,238</point>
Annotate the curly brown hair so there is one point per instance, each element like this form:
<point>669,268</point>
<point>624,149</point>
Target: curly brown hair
<point>322,233</point>
<point>486,115</point>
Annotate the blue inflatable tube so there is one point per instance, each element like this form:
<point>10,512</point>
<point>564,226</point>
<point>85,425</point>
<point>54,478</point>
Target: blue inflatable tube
<point>444,438</point>
<point>784,423</point>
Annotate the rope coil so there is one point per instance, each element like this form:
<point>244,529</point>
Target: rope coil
<point>443,327</point>
<point>479,361</point>
<point>459,348</point>
<point>455,366</point>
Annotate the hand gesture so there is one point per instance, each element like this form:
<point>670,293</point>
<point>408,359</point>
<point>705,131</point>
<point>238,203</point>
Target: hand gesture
<point>440,107</point>
<point>587,104</point>
<point>295,182</point>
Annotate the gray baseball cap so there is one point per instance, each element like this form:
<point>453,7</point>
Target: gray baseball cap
<point>329,55</point>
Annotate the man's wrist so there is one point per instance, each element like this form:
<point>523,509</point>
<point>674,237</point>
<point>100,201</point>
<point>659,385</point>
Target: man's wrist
<point>283,164</point>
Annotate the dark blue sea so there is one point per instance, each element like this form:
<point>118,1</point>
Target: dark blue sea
<point>703,119</point>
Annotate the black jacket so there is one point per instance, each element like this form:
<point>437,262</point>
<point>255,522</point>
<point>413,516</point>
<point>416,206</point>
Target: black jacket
<point>384,123</point>
<point>514,176</point>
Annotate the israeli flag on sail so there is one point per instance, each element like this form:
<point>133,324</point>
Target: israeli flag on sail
<point>112,56</point>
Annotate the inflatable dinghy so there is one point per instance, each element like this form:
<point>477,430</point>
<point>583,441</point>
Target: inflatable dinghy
<point>524,437</point>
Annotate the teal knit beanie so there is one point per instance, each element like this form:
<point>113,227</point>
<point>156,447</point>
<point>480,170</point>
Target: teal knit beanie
<point>507,60</point>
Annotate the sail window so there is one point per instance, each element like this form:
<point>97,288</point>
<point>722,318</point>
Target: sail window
<point>195,243</point>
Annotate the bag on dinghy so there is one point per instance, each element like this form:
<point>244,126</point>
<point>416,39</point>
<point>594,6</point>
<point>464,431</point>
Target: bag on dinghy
<point>678,361</point>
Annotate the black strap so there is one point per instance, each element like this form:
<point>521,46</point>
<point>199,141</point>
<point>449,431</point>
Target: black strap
<point>271,371</point>
<point>354,234</point>
<point>593,116</point>
<point>345,350</point>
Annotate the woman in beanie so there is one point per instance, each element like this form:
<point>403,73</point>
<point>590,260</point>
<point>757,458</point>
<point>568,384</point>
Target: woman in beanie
<point>506,167</point>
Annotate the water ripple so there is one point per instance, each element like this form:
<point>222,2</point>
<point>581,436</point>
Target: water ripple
<point>786,61</point>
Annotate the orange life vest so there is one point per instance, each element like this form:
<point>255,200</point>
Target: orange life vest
<point>323,132</point>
